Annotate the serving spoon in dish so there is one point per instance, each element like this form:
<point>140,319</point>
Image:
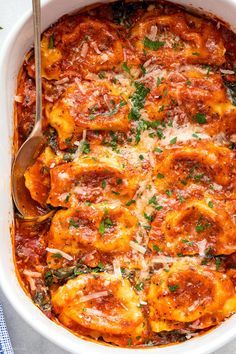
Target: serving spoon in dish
<point>29,151</point>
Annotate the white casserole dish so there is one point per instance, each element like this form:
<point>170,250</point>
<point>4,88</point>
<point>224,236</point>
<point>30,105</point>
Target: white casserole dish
<point>16,45</point>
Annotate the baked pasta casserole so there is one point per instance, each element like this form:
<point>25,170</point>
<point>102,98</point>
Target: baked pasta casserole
<point>139,112</point>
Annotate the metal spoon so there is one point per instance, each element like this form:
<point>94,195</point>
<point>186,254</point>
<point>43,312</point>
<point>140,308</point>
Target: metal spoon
<point>29,151</point>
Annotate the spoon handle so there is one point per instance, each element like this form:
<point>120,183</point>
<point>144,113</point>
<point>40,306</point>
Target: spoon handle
<point>37,53</point>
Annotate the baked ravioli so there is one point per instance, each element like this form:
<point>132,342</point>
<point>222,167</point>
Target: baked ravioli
<point>138,173</point>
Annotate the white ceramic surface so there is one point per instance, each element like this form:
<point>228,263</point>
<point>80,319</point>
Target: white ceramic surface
<point>18,42</point>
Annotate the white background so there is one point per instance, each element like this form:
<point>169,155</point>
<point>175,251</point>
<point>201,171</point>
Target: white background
<point>24,339</point>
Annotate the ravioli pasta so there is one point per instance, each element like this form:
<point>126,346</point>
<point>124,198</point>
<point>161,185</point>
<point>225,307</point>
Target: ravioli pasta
<point>139,115</point>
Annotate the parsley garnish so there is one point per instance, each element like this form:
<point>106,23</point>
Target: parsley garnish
<point>125,67</point>
<point>104,183</point>
<point>159,81</point>
<point>173,141</point>
<point>169,192</point>
<point>153,45</point>
<point>73,223</point>
<point>130,202</point>
<point>129,342</point>
<point>200,228</point>
<point>57,255</point>
<point>181,198</point>
<point>173,288</point>
<point>67,197</point>
<point>199,177</point>
<point>148,217</point>
<point>190,243</point>
<point>158,150</point>
<point>200,118</point>
<point>138,100</point>
<point>143,69</point>
<point>139,286</point>
<point>210,204</point>
<point>218,263</point>
<point>153,201</point>
<point>188,82</point>
<point>160,176</point>
<point>105,224</point>
<point>101,75</point>
<point>156,248</point>
<point>85,148</point>
<point>51,42</point>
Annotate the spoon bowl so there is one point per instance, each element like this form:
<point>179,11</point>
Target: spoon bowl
<point>25,157</point>
<point>32,147</point>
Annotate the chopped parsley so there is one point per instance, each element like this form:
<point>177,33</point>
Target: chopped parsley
<point>106,223</point>
<point>51,42</point>
<point>169,192</point>
<point>125,67</point>
<point>200,118</point>
<point>194,135</point>
<point>199,177</point>
<point>218,263</point>
<point>148,217</point>
<point>104,183</point>
<point>159,81</point>
<point>56,255</point>
<point>153,45</point>
<point>200,228</point>
<point>138,100</point>
<point>129,342</point>
<point>173,141</point>
<point>73,223</point>
<point>101,75</point>
<point>139,286</point>
<point>67,197</point>
<point>158,150</point>
<point>181,198</point>
<point>189,243</point>
<point>160,176</point>
<point>173,287</point>
<point>85,148</point>
<point>130,202</point>
<point>188,82</point>
<point>143,69</point>
<point>156,248</point>
<point>153,201</point>
<point>196,54</point>
<point>210,204</point>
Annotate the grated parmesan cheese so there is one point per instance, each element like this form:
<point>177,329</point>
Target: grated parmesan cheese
<point>137,247</point>
<point>84,50</point>
<point>18,98</point>
<point>64,254</point>
<point>202,247</point>
<point>163,259</point>
<point>117,270</point>
<point>93,296</point>
<point>32,274</point>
